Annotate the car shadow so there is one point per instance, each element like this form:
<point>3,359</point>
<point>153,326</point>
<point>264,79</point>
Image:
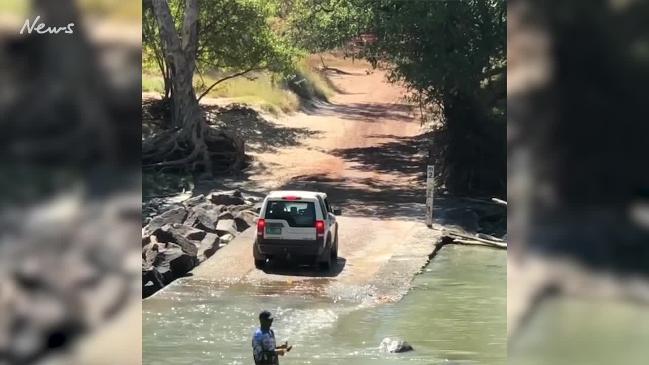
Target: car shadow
<point>295,269</point>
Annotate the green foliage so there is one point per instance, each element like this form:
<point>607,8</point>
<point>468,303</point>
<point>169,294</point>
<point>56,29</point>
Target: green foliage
<point>441,48</point>
<point>451,54</point>
<point>322,25</point>
<point>235,36</point>
<point>318,84</point>
<point>437,48</point>
<point>308,83</point>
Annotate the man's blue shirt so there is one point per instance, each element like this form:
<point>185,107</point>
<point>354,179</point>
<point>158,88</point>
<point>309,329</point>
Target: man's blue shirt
<point>263,347</point>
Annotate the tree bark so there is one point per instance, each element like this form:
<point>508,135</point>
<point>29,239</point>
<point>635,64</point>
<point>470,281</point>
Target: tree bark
<point>190,142</point>
<point>181,61</point>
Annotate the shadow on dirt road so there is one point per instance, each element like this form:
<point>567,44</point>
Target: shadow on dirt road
<point>364,112</point>
<point>402,156</point>
<point>366,197</point>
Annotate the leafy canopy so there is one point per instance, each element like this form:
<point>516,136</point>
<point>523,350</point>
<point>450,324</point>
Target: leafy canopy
<point>442,48</point>
<point>324,25</point>
<point>234,36</point>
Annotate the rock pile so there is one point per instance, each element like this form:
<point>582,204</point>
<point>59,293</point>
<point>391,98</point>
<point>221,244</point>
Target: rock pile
<point>188,233</point>
<point>68,267</point>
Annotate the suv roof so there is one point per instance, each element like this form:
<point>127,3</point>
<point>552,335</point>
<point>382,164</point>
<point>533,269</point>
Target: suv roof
<point>300,193</point>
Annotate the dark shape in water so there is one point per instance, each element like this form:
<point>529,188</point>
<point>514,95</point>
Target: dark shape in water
<point>395,345</point>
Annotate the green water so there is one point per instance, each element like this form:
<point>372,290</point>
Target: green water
<point>584,331</point>
<point>455,313</point>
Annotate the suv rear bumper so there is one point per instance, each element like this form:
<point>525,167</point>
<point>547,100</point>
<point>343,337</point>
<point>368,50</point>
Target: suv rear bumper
<point>295,249</point>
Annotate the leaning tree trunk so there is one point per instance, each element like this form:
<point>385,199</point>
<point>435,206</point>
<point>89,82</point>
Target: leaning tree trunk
<point>190,143</point>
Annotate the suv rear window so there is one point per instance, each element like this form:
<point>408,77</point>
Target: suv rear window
<point>296,214</point>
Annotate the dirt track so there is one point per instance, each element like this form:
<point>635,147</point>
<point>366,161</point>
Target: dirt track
<point>360,150</point>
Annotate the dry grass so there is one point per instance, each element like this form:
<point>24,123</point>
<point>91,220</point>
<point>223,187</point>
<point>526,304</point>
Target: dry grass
<point>263,90</point>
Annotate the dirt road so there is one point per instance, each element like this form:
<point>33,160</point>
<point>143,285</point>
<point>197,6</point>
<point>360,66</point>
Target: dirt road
<point>360,150</point>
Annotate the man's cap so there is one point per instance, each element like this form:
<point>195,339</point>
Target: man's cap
<point>265,315</point>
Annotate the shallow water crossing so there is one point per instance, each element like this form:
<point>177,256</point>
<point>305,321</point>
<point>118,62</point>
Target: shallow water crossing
<point>454,313</point>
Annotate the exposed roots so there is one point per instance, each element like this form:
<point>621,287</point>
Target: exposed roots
<point>197,149</point>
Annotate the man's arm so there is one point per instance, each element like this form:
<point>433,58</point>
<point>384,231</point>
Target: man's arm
<point>284,348</point>
<point>257,347</point>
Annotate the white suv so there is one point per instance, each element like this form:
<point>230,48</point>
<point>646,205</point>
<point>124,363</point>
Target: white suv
<point>298,226</point>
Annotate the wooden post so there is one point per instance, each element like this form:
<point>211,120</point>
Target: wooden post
<point>430,189</point>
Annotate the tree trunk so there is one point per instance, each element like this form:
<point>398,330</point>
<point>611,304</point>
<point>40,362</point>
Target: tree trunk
<point>190,142</point>
<point>181,61</point>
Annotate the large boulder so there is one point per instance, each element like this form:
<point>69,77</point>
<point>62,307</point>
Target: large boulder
<point>204,217</point>
<point>395,345</point>
<point>188,232</point>
<point>227,198</point>
<point>179,261</point>
<point>171,216</point>
<point>225,226</point>
<point>163,262</point>
<point>173,262</point>
<point>226,215</point>
<point>152,281</point>
<point>167,234</point>
<point>194,201</point>
<point>234,209</point>
<point>208,246</point>
<point>245,219</point>
<point>149,255</point>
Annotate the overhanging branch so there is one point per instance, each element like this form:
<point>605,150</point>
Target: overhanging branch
<point>228,78</point>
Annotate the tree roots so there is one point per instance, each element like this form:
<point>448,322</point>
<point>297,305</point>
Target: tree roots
<point>200,149</point>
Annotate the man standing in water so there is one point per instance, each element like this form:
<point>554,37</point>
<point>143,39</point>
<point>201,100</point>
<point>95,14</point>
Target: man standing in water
<point>263,342</point>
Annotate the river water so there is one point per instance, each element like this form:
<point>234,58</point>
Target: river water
<point>455,313</point>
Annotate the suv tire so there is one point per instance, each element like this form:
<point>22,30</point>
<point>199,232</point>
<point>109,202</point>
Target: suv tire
<point>326,265</point>
<point>259,264</point>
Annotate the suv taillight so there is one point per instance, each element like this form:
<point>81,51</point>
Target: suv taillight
<point>261,224</point>
<point>319,228</point>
